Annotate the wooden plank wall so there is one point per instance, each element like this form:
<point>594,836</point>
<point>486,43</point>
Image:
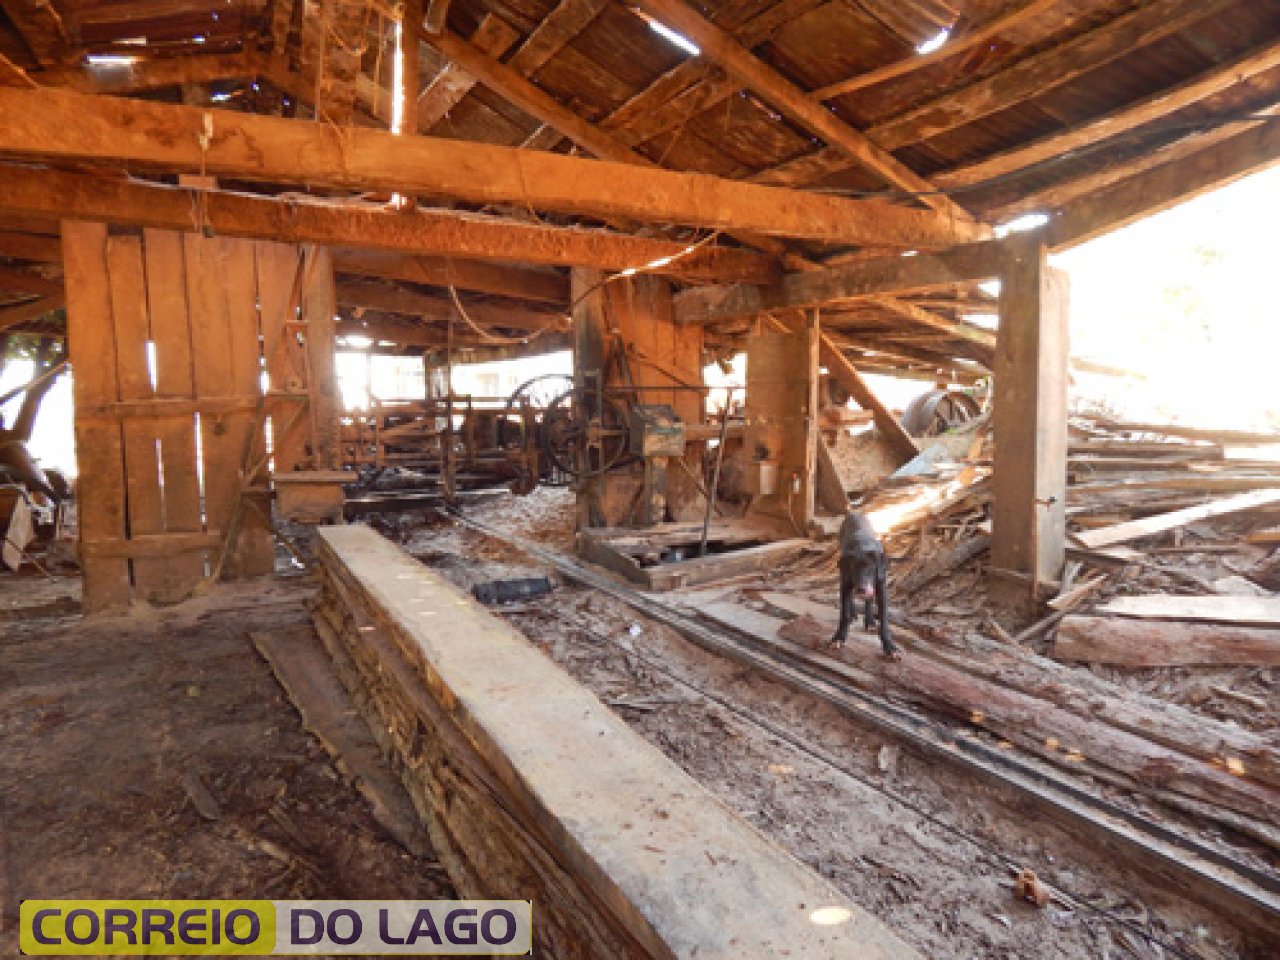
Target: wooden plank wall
<point>171,421</point>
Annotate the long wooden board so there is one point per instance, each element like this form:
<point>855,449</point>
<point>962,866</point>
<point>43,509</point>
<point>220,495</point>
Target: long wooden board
<point>627,827</point>
<point>1138,643</point>
<point>1147,526</point>
<point>1215,609</point>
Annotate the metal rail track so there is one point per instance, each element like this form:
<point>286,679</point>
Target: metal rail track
<point>1202,871</point>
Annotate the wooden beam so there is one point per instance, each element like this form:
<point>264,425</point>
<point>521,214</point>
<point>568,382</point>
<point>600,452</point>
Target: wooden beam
<point>82,197</point>
<point>954,46</point>
<point>37,123</point>
<point>846,374</point>
<point>1038,74</point>
<point>984,340</point>
<point>1130,117</point>
<point>11,317</point>
<point>17,280</point>
<point>41,29</point>
<point>1162,522</point>
<point>1110,171</point>
<point>1164,186</point>
<point>696,85</point>
<point>436,15</point>
<point>740,63</point>
<point>391,299</point>
<point>12,75</point>
<point>561,25</point>
<point>850,281</point>
<point>152,73</point>
<point>534,100</point>
<point>399,331</point>
<point>30,246</point>
<point>411,17</point>
<point>503,280</point>
<point>1029,471</point>
<point>495,37</point>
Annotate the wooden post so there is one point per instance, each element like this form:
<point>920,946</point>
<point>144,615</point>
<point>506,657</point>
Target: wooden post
<point>99,446</point>
<point>318,306</point>
<point>781,412</point>
<point>1030,420</point>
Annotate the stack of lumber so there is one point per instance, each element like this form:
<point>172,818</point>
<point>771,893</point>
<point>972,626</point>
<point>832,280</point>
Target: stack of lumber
<point>532,789</point>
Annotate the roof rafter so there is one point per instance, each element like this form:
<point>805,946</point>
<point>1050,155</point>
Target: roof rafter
<point>752,72</point>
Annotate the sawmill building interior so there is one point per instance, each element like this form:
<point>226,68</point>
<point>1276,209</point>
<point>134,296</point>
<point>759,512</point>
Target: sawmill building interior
<point>629,456</point>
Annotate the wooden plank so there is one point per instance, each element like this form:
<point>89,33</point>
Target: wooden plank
<point>18,280</point>
<point>279,267</point>
<point>850,281</point>
<point>318,307</point>
<point>169,547</point>
<point>1148,526</point>
<point>152,73</point>
<point>506,705</point>
<point>1139,644</point>
<point>1258,611</point>
<point>141,458</point>
<point>304,670</point>
<point>847,375</point>
<point>254,552</point>
<point>719,47</point>
<point>1029,482</point>
<point>1129,117</point>
<point>171,334</point>
<point>561,25</point>
<point>205,260</point>
<point>55,123</point>
<point>53,193</point>
<point>99,450</point>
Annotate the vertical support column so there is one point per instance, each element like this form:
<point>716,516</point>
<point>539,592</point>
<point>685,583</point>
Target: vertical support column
<point>99,441</point>
<point>318,306</point>
<point>1030,468</point>
<point>781,412</point>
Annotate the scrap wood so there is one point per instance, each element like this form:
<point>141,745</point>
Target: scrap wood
<point>1141,643</point>
<point>1237,437</point>
<point>1229,608</point>
<point>1028,672</point>
<point>1048,729</point>
<point>1178,518</point>
<point>1265,535</point>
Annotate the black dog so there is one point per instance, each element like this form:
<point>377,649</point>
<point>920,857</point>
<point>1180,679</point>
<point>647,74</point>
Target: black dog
<point>863,569</point>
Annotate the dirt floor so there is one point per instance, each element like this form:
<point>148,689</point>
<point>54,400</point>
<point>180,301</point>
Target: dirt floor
<point>154,755</point>
<point>927,848</point>
<point>203,782</point>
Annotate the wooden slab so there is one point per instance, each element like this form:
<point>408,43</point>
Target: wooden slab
<point>1215,609</point>
<point>1138,643</point>
<point>646,838</point>
<point>304,669</point>
<point>1178,518</point>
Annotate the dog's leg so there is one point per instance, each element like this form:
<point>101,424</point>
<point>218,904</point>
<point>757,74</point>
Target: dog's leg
<point>882,602</point>
<point>846,610</point>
